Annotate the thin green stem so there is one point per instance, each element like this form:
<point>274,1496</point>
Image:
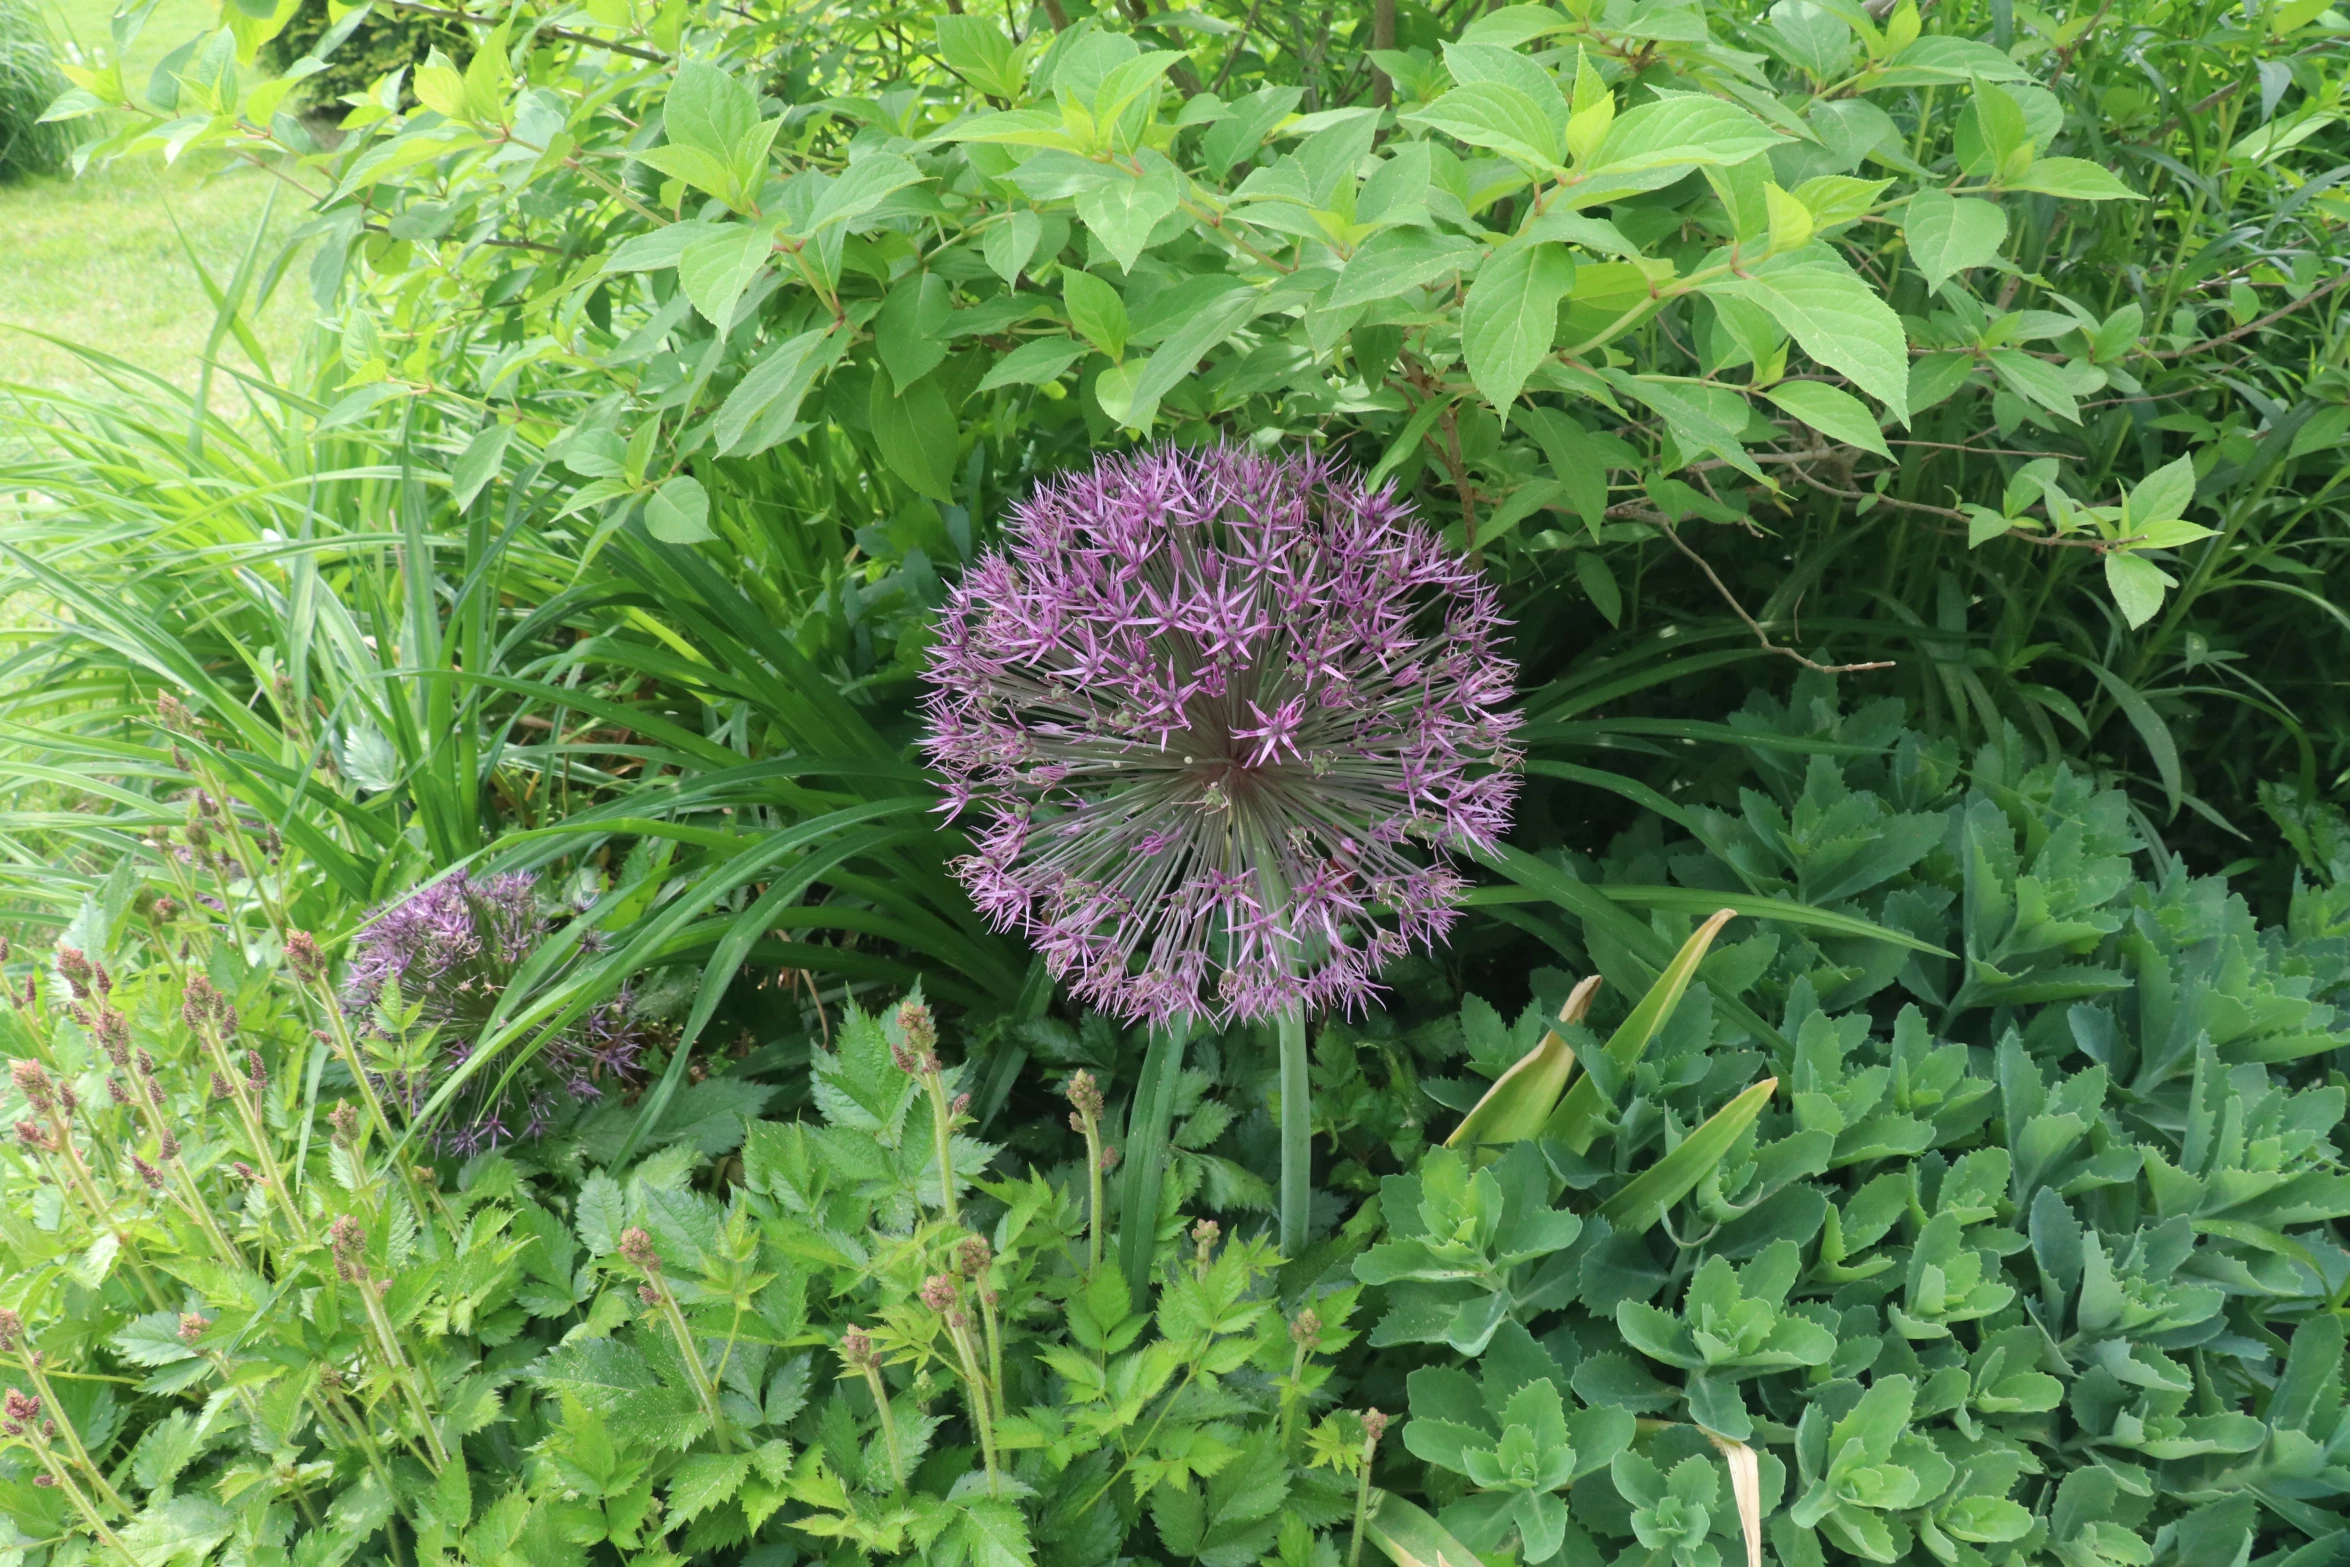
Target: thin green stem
<point>889,1425</point>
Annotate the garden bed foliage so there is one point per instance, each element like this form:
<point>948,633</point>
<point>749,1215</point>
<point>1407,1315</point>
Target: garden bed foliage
<point>504,1062</point>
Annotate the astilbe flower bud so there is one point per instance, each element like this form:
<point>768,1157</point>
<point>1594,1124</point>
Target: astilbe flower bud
<point>1084,1093</point>
<point>856,1348</point>
<point>220,1087</point>
<point>345,1122</point>
<point>34,1082</point>
<point>115,1091</point>
<point>145,1061</point>
<point>147,1173</point>
<point>192,1326</point>
<point>938,1293</point>
<point>245,1172</point>
<point>1204,1236</point>
<point>1374,1426</point>
<point>5,949</point>
<point>73,966</point>
<point>972,1256</point>
<point>303,956</point>
<point>167,1147</point>
<point>330,1378</point>
<point>196,1002</point>
<point>637,1247</point>
<point>114,1036</point>
<point>920,1029</point>
<point>255,1073</point>
<point>34,1137</point>
<point>1216,708</point>
<point>155,1093</point>
<point>11,1330</point>
<point>67,1100</point>
<point>19,1410</point>
<point>1305,1330</point>
<point>1109,1160</point>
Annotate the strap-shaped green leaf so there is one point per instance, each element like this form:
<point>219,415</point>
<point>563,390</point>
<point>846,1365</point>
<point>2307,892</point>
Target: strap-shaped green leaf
<point>1576,1121</point>
<point>1644,1200</point>
<point>1522,1098</point>
<point>1411,1538</point>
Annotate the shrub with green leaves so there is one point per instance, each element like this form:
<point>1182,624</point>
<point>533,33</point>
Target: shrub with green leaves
<point>1859,335</point>
<point>2021,1247</point>
<point>29,83</point>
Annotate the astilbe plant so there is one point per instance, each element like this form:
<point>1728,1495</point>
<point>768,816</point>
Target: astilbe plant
<point>1226,716</point>
<point>447,955</point>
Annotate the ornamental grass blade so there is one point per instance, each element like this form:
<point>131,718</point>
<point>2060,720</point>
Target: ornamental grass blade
<point>1522,1098</point>
<point>1642,1201</point>
<point>1746,1486</point>
<point>1576,1121</point>
<point>1411,1538</point>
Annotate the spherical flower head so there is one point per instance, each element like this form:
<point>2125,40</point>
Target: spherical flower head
<point>451,949</point>
<point>1225,717</point>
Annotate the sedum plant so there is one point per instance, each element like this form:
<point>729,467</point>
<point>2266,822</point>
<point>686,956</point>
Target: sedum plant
<point>2030,1255</point>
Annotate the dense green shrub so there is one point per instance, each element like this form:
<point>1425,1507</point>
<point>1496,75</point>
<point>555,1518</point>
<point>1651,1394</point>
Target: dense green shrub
<point>29,83</point>
<point>388,40</point>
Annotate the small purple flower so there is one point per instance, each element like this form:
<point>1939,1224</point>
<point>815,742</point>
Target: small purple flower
<point>451,949</point>
<point>1218,709</point>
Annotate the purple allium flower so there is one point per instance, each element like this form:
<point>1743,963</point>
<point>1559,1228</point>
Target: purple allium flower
<point>1216,707</point>
<point>451,949</point>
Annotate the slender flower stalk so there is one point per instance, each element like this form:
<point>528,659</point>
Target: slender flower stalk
<point>21,1417</point>
<point>917,1053</point>
<point>1374,1427</point>
<point>974,1257</point>
<point>1086,1119</point>
<point>1225,717</point>
<point>940,1295</point>
<point>636,1247</point>
<point>16,1341</point>
<point>856,1353</point>
<point>348,1237</point>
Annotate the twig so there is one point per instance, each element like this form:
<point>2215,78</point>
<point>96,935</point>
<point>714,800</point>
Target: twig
<point>1753,625</point>
<point>1230,55</point>
<point>566,34</point>
<point>2253,326</point>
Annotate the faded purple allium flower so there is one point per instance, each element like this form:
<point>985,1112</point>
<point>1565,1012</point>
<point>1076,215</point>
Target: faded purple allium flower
<point>451,949</point>
<point>1215,707</point>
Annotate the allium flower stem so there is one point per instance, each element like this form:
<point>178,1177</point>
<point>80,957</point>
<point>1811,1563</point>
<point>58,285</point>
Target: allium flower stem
<point>1297,1134</point>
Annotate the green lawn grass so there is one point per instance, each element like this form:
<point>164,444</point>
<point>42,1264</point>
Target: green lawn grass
<point>100,260</point>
